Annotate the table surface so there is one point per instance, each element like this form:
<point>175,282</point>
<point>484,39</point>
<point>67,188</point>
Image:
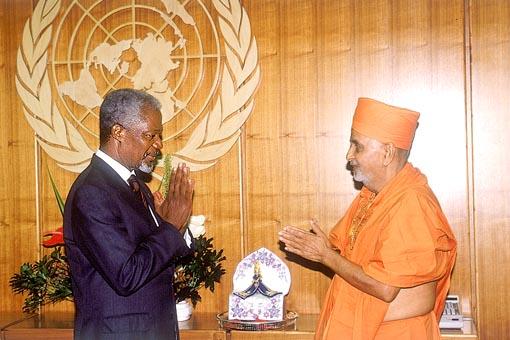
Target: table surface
<point>305,324</point>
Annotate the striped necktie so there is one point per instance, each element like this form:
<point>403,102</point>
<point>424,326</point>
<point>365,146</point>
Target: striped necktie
<point>135,187</point>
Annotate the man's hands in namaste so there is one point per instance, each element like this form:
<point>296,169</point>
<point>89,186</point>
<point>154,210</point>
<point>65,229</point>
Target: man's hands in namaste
<point>176,207</point>
<point>312,245</point>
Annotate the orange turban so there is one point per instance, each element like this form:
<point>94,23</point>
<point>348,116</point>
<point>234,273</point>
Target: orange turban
<point>386,123</point>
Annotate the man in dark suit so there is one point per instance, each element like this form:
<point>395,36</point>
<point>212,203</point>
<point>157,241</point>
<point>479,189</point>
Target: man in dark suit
<point>121,247</point>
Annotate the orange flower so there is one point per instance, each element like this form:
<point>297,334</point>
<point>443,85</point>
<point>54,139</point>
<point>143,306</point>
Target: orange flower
<point>56,239</point>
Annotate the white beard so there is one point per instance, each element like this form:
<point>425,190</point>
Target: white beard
<point>144,167</point>
<point>359,176</point>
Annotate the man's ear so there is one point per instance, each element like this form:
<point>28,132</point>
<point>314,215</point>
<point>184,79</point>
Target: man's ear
<point>389,153</point>
<point>117,132</point>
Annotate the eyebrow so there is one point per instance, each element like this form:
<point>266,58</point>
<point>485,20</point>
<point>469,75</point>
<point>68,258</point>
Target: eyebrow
<point>154,130</point>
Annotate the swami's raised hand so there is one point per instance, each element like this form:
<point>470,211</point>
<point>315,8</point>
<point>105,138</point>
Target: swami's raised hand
<point>176,207</point>
<point>312,245</point>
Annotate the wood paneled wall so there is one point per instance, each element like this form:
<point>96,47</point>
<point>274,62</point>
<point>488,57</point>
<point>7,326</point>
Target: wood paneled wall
<point>490,96</point>
<point>450,60</point>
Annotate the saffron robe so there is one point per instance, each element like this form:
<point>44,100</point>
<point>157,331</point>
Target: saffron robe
<point>405,241</point>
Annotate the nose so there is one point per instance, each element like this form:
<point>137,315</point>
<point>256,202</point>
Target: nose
<point>158,142</point>
<point>350,154</point>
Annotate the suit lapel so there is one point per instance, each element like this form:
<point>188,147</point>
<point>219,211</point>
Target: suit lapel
<point>114,179</point>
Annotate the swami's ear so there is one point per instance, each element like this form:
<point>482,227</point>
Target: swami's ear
<point>118,132</point>
<point>389,153</point>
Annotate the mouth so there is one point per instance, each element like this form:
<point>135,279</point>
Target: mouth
<point>150,157</point>
<point>355,171</point>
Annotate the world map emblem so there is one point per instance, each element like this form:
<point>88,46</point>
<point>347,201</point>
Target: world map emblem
<point>199,58</point>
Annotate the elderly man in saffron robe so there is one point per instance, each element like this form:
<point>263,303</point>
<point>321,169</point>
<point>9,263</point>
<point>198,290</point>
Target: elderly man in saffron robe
<point>393,251</point>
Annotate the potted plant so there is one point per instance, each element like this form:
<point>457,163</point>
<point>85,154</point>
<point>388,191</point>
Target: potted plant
<point>201,269</point>
<point>46,280</point>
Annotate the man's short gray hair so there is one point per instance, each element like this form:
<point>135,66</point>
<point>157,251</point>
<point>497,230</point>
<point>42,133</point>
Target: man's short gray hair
<point>123,106</point>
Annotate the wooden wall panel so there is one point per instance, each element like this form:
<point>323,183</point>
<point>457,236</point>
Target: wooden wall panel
<point>263,149</point>
<point>490,22</point>
<point>445,119</point>
<point>18,231</point>
<point>335,105</point>
<point>217,197</point>
<point>49,213</point>
<point>298,116</point>
<point>281,182</point>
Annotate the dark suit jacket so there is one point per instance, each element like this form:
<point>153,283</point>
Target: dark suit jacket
<point>121,263</point>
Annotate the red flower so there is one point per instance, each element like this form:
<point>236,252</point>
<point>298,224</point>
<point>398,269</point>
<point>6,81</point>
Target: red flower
<point>56,239</point>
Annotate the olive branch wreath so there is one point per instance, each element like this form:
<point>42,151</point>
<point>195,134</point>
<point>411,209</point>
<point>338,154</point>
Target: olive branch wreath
<point>214,135</point>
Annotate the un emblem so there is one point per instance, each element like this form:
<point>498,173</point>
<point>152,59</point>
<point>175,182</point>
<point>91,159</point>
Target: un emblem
<point>199,59</point>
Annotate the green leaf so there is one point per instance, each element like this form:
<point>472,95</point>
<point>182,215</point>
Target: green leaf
<point>58,197</point>
<point>45,281</point>
<point>202,269</point>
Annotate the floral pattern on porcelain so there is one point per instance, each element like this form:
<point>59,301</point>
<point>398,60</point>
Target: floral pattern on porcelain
<point>275,273</point>
<point>257,307</point>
